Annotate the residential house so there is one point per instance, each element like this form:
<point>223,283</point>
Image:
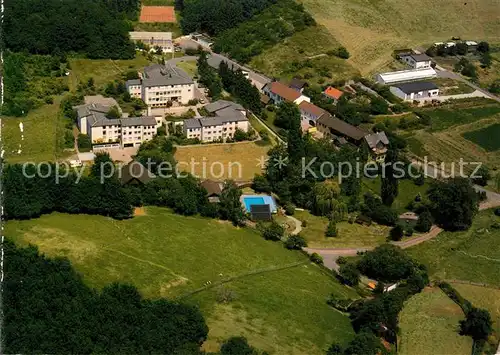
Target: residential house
<point>154,39</point>
<point>416,61</point>
<point>415,90</point>
<point>134,173</point>
<point>113,132</point>
<point>279,92</point>
<point>310,114</point>
<point>297,84</point>
<point>405,75</point>
<point>214,190</point>
<point>227,117</point>
<point>333,93</point>
<point>377,143</point>
<point>160,85</point>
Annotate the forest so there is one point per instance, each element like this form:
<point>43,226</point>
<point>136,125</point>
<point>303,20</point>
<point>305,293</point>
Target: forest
<point>215,16</point>
<point>95,28</point>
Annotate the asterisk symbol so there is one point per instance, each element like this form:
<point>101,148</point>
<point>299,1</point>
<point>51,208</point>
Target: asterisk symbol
<point>262,162</point>
<point>280,162</point>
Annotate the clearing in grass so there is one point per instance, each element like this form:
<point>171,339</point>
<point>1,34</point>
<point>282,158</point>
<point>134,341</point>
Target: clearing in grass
<point>450,255</point>
<point>429,325</point>
<point>168,255</point>
<point>486,138</point>
<point>189,66</point>
<point>237,161</point>
<point>349,235</point>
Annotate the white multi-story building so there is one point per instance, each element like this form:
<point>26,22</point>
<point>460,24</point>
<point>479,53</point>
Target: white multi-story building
<point>154,39</point>
<point>114,132</point>
<point>228,117</point>
<point>417,61</point>
<point>160,85</point>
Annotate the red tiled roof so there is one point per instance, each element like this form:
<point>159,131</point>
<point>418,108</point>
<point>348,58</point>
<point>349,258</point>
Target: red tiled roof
<point>334,93</point>
<point>284,91</point>
<point>311,108</point>
<point>157,14</point>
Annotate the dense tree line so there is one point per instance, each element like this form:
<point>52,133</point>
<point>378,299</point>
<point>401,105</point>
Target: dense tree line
<point>216,16</point>
<point>240,87</point>
<point>32,191</point>
<point>97,28</point>
<point>271,26</point>
<point>48,309</point>
<point>209,77</point>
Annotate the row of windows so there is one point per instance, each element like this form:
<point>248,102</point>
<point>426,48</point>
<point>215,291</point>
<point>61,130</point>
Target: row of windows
<point>168,92</point>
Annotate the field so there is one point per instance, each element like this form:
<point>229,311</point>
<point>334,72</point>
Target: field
<point>371,30</point>
<point>451,255</point>
<point>349,235</point>
<point>189,67</point>
<point>451,87</point>
<point>167,255</point>
<point>237,161</point>
<point>429,325</point>
<point>447,139</point>
<point>102,70</point>
<point>486,138</point>
<point>305,54</point>
<point>40,135</point>
<point>482,297</point>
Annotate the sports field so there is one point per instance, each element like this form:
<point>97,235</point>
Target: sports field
<point>486,138</point>
<point>157,14</point>
<point>237,161</point>
<point>167,255</point>
<point>371,30</point>
<point>451,255</point>
<point>429,325</point>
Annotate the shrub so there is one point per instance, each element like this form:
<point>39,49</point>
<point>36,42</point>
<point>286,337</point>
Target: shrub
<point>341,260</point>
<point>497,212</point>
<point>409,232</point>
<point>343,53</point>
<point>304,223</point>
<point>316,258</point>
<point>396,233</point>
<point>273,232</point>
<point>295,242</point>
<point>193,102</point>
<point>331,229</point>
<point>424,222</point>
<point>225,295</point>
<point>289,209</point>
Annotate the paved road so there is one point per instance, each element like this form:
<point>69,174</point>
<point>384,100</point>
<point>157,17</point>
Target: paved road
<point>443,73</point>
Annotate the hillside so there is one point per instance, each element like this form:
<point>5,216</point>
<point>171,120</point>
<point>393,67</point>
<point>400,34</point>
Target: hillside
<point>372,29</point>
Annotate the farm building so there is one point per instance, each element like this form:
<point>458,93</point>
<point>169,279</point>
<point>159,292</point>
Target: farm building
<point>154,39</point>
<point>405,75</point>
<point>416,61</point>
<point>415,90</point>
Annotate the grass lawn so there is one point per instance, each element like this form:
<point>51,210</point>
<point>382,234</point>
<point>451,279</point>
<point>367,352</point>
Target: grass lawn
<point>102,70</point>
<point>167,255</point>
<point>40,130</point>
<point>486,138</point>
<point>371,30</point>
<point>472,255</point>
<point>304,54</point>
<point>482,297</point>
<point>189,67</point>
<point>238,161</point>
<point>429,325</point>
<point>349,235</point>
<point>259,127</point>
<point>407,192</point>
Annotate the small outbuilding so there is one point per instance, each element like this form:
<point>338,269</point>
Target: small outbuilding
<point>214,190</point>
<point>409,219</point>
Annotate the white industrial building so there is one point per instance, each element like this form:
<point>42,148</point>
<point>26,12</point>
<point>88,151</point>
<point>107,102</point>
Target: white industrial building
<point>405,75</point>
<point>153,39</point>
<point>415,90</point>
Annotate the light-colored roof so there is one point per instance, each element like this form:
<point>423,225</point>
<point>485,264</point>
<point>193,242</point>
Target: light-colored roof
<point>138,121</point>
<point>163,75</point>
<point>146,36</point>
<point>471,43</point>
<point>409,215</point>
<point>88,156</point>
<point>375,138</point>
<point>420,57</point>
<point>283,91</point>
<point>101,100</point>
<point>333,92</point>
<point>407,75</point>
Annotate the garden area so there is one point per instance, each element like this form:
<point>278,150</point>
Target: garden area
<point>168,255</point>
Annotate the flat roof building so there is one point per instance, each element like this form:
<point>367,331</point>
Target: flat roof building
<point>154,39</point>
<point>405,75</point>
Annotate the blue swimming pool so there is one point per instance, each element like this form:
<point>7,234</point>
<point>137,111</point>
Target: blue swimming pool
<point>249,200</point>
